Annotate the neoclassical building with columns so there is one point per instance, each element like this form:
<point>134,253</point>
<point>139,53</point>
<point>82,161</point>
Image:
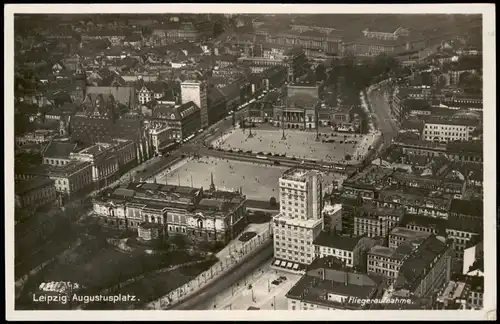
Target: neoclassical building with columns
<point>201,215</point>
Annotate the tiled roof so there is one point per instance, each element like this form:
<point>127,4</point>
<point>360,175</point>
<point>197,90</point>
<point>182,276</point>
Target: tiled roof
<point>124,95</point>
<point>467,207</point>
<point>59,149</point>
<point>30,184</point>
<point>187,109</point>
<point>417,265</point>
<point>90,130</point>
<point>346,243</point>
<point>231,91</point>
<point>423,221</point>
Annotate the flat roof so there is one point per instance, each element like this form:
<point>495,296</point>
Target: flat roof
<point>309,223</point>
<point>298,174</point>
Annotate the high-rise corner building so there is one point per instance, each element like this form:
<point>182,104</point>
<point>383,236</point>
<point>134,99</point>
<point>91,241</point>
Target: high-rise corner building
<point>300,219</point>
<point>196,91</point>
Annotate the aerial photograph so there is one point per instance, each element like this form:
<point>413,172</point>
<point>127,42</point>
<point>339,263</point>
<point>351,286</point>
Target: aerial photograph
<point>238,161</point>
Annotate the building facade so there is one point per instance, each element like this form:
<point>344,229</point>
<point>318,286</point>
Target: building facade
<point>108,160</point>
<point>33,193</point>
<point>448,130</point>
<point>196,91</point>
<point>299,221</point>
<point>161,138</point>
<point>201,216</point>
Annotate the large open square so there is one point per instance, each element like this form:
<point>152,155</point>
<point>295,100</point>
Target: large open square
<point>258,182</point>
<point>299,144</point>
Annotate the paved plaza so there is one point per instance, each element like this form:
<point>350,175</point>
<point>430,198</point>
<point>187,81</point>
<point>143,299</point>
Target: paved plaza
<point>299,144</point>
<point>258,182</point>
<point>262,294</point>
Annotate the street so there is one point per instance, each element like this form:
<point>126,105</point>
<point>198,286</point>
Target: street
<point>381,108</point>
<point>206,295</point>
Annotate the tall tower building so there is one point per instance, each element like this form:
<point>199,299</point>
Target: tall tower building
<point>300,219</point>
<point>196,91</point>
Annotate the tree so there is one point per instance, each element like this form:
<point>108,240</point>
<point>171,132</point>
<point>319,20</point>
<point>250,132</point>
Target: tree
<point>320,72</point>
<point>272,202</point>
<point>348,157</point>
<point>179,241</point>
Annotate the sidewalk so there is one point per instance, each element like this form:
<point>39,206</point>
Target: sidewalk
<point>263,294</point>
<point>229,257</point>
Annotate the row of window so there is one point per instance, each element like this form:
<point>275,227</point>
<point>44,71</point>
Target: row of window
<point>384,265</point>
<point>277,237</point>
<point>39,195</point>
<point>386,273</point>
<point>333,251</point>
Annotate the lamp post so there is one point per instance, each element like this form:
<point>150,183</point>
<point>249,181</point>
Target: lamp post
<point>283,137</point>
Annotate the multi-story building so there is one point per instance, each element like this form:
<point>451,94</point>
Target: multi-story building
<point>185,120</point>
<point>33,193</point>
<point>375,221</point>
<point>298,109</point>
<point>426,268</point>
<point>351,250</point>
<point>70,178</point>
<point>418,202</point>
<point>161,138</point>
<point>151,91</point>
<point>465,151</point>
<point>476,292</point>
<point>373,46</point>
<point>58,153</point>
<point>316,43</point>
<point>196,91</point>
<point>386,262</point>
<point>299,221</point>
<point>367,183</point>
<point>210,216</point>
<point>446,130</point>
<point>108,160</point>
<point>39,136</point>
<point>464,224</point>
<point>294,59</point>
<point>426,224</point>
<point>454,295</point>
<point>473,253</point>
<point>332,217</point>
<point>399,235</point>
<point>329,285</point>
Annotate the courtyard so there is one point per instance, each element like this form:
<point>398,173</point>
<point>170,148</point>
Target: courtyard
<point>332,147</point>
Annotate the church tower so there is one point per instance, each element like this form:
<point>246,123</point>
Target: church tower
<point>80,79</point>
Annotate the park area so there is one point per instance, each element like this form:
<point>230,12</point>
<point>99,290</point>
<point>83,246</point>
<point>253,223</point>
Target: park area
<point>97,265</point>
<point>257,181</point>
<point>332,147</point>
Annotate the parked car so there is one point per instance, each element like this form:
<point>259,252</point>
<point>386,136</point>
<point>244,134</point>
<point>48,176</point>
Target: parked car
<point>282,278</point>
<point>276,282</point>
